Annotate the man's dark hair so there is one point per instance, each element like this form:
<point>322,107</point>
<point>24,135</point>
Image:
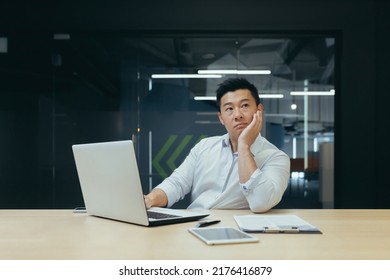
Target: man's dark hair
<point>234,84</point>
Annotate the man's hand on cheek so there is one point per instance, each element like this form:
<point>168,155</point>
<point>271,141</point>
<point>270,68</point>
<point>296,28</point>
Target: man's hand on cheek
<point>250,133</point>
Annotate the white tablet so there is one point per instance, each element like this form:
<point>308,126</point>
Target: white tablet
<point>222,235</point>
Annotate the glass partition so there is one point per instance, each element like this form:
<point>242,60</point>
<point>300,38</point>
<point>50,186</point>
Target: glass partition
<point>60,89</point>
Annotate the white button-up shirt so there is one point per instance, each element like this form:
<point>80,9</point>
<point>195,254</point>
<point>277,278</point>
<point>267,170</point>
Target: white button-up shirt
<point>210,173</point>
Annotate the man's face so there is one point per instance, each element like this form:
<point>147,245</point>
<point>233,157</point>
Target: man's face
<point>237,110</point>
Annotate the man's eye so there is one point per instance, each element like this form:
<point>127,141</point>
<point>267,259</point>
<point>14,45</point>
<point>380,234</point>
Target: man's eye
<point>245,105</point>
<point>228,109</point>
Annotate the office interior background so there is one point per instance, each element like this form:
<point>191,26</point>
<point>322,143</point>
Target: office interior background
<point>77,72</point>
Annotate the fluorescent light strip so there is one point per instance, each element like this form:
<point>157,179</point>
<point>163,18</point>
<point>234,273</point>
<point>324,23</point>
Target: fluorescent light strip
<point>183,76</point>
<point>271,95</point>
<point>313,93</point>
<point>202,98</point>
<point>233,72</point>
<point>212,98</point>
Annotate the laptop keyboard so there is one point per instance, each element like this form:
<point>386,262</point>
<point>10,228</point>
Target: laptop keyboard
<point>156,215</point>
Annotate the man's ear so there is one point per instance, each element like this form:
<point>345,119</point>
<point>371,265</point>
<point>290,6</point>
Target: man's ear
<point>260,107</point>
<point>220,118</point>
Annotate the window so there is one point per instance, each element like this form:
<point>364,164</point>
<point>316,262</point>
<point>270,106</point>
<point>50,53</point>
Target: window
<point>62,89</point>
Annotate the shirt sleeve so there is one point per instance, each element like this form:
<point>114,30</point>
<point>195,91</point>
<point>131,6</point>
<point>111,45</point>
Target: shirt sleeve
<point>246,187</point>
<point>266,186</point>
<point>180,182</point>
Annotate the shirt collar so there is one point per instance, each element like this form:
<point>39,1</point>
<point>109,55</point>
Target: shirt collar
<point>226,141</point>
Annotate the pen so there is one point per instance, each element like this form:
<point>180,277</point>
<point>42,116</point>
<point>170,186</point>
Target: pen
<point>207,223</point>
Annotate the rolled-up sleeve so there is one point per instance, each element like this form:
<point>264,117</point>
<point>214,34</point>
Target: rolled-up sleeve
<point>267,184</point>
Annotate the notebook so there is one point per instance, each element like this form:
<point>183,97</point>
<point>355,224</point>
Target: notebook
<point>111,185</point>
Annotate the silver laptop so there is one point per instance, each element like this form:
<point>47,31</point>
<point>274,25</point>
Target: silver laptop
<point>111,186</point>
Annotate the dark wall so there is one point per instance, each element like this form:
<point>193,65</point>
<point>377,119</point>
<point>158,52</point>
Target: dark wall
<point>381,107</point>
<point>364,55</point>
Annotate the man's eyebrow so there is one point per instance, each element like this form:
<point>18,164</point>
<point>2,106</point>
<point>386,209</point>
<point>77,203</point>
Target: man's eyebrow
<point>227,104</point>
<point>230,103</point>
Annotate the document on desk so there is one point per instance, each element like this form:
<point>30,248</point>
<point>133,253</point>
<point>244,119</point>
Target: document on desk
<point>260,223</point>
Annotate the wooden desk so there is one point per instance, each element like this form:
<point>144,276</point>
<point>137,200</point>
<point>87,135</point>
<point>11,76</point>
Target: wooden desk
<point>60,234</point>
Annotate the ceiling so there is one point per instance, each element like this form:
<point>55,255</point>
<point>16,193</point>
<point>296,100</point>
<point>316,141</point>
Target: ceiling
<point>291,60</point>
<point>98,57</point>
<point>101,61</point>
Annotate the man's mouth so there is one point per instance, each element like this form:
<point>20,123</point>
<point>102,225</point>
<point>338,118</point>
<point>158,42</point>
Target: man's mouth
<point>240,125</point>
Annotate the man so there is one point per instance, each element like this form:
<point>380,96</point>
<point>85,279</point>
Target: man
<point>238,170</point>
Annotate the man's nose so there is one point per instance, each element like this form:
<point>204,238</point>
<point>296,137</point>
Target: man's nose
<point>237,114</point>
